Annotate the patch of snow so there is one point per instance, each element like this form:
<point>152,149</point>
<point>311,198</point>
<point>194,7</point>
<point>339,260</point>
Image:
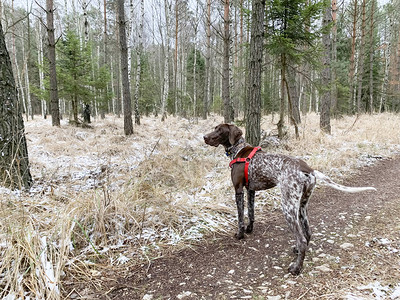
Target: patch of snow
<point>49,277</point>
<point>346,246</point>
<point>396,292</point>
<point>378,291</point>
<point>122,259</point>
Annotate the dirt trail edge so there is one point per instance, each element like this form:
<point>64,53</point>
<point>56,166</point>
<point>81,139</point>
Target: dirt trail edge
<point>354,253</point>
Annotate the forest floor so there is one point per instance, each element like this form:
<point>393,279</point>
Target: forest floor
<point>152,215</point>
<point>354,253</point>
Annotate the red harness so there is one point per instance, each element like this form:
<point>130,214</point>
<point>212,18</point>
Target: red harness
<point>246,160</point>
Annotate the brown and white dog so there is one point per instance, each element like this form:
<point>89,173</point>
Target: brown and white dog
<point>264,171</point>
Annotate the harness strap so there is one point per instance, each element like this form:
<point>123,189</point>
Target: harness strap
<point>246,160</point>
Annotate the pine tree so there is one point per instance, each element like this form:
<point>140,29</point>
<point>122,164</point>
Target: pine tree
<point>74,72</point>
<point>14,162</point>
<point>253,117</point>
<point>54,103</point>
<point>128,124</point>
<point>292,38</point>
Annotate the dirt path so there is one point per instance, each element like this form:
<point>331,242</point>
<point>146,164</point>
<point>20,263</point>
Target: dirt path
<point>354,253</point>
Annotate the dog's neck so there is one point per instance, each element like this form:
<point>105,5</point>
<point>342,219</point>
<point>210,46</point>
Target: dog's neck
<point>232,151</point>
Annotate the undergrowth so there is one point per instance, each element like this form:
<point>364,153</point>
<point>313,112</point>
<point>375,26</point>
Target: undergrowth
<point>102,200</point>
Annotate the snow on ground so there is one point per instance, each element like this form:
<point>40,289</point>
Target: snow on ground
<point>98,192</point>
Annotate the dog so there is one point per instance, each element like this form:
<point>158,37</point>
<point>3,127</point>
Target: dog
<point>257,170</point>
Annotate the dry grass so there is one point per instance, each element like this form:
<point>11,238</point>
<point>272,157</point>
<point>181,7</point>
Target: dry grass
<point>101,199</point>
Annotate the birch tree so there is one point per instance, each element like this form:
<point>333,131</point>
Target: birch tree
<point>207,86</point>
<point>165,89</point>
<point>41,73</point>
<point>138,68</point>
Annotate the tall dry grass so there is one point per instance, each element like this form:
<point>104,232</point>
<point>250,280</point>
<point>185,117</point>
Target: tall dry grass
<point>102,200</point>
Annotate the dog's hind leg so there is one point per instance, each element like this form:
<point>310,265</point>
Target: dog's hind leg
<point>309,186</point>
<point>240,208</point>
<point>250,210</point>
<point>291,197</point>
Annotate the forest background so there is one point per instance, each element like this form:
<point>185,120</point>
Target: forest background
<point>191,58</point>
<point>95,203</point>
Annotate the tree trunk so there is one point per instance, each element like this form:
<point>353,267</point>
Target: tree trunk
<point>334,104</point>
<point>281,122</point>
<point>387,54</point>
<point>207,88</point>
<point>176,57</point>
<point>85,5</point>
<point>26,60</point>
<point>129,36</point>
<point>41,73</point>
<point>15,61</point>
<point>293,94</point>
<point>139,63</point>
<point>14,162</point>
<point>54,105</point>
<point>361,60</point>
<point>128,126</point>
<point>226,98</point>
<point>165,90</point>
<point>194,79</point>
<point>105,32</point>
<point>253,117</point>
<point>352,57</point>
<point>325,118</point>
<point>195,25</point>
<point>371,59</point>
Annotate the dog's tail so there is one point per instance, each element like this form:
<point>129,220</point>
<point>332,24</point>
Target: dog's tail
<point>325,180</point>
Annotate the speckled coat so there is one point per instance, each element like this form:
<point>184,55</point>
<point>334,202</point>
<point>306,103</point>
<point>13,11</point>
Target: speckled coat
<point>294,177</point>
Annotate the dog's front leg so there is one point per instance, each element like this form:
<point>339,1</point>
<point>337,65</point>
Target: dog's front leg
<point>250,210</point>
<point>240,208</point>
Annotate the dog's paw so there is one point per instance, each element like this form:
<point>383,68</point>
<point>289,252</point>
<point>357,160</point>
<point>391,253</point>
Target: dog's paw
<point>239,235</point>
<point>294,269</point>
<point>249,228</point>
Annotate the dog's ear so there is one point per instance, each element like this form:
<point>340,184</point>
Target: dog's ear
<point>234,134</point>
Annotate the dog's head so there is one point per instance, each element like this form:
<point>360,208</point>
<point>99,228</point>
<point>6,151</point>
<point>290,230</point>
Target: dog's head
<point>224,134</point>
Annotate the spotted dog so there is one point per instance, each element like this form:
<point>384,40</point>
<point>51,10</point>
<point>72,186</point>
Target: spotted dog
<point>257,170</point>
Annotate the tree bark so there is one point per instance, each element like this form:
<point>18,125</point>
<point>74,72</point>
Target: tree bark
<point>54,104</point>
<point>176,57</point>
<point>293,94</point>
<point>207,86</point>
<point>334,104</point>
<point>325,118</point>
<point>41,73</point>
<point>226,98</point>
<point>281,122</point>
<point>352,56</point>
<point>387,55</point>
<point>371,59</point>
<point>253,117</point>
<point>165,89</point>
<point>126,90</point>
<point>14,162</point>
<point>85,5</point>
<point>361,60</point>
<point>139,63</point>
